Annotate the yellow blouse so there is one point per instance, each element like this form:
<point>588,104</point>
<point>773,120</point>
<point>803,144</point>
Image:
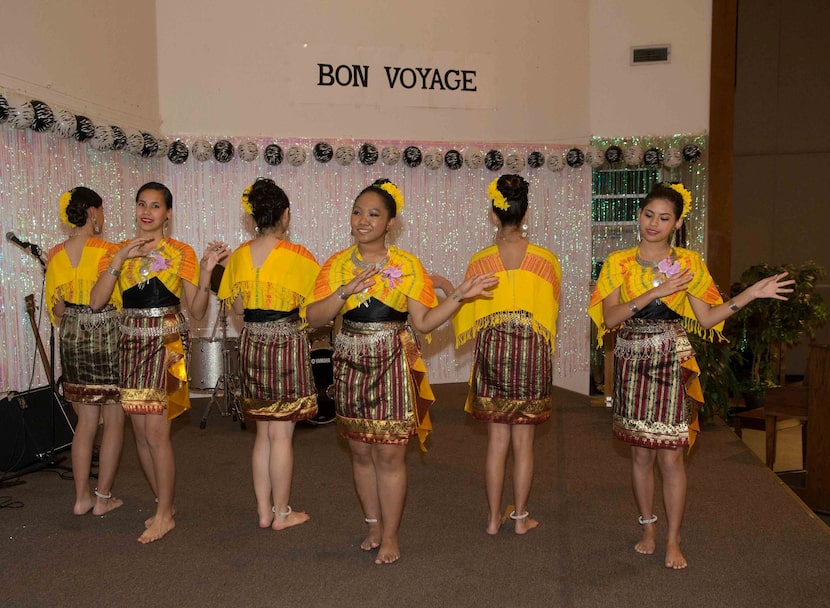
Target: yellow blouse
<point>283,282</point>
<point>533,288</point>
<point>74,283</point>
<point>622,271</point>
<point>172,262</point>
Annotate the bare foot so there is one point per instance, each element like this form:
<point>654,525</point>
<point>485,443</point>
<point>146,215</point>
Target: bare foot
<point>525,525</point>
<point>157,529</point>
<point>674,558</point>
<point>389,552</point>
<point>149,521</point>
<point>372,540</point>
<point>647,542</point>
<point>265,521</point>
<point>105,505</point>
<point>287,520</point>
<point>83,505</point>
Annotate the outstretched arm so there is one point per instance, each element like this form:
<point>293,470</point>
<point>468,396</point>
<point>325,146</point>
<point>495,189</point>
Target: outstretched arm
<point>425,319</point>
<point>770,287</point>
<point>321,312</point>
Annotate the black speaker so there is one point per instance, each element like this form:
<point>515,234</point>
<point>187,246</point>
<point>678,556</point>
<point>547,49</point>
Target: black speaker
<point>33,426</point>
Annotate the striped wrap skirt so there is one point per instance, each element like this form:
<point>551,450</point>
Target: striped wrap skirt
<point>275,371</point>
<point>651,407</point>
<point>89,359</point>
<point>154,345</point>
<point>512,376</point>
<point>381,391</point>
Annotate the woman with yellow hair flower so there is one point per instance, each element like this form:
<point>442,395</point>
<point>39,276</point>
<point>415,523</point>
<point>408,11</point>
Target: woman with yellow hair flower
<point>382,395</point>
<point>88,347</point>
<point>652,295</point>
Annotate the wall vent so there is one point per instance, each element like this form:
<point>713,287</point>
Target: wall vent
<point>658,53</point>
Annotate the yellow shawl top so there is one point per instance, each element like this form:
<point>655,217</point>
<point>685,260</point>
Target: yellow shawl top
<point>172,263</point>
<point>74,283</point>
<point>283,282</point>
<point>621,270</point>
<point>403,277</point>
<point>533,287</point>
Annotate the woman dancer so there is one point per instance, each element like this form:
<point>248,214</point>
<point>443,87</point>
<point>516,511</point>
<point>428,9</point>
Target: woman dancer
<point>153,273</point>
<point>270,278</point>
<point>511,382</point>
<point>381,391</point>
<point>655,293</point>
<point>88,348</point>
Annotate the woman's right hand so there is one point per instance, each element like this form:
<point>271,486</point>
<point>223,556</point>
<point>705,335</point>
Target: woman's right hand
<point>362,281</point>
<point>673,284</point>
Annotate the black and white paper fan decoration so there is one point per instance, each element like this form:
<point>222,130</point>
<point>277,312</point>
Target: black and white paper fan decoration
<point>322,152</point>
<point>103,138</point>
<point>613,154</point>
<point>296,156</point>
<point>535,159</point>
<point>575,158</point>
<point>44,118</point>
<point>368,154</point>
<point>223,151</point>
<point>248,151</point>
<point>453,160</point>
<point>672,158</point>
<point>390,155</point>
<point>652,157</point>
<point>151,145</point>
<point>691,153</point>
<point>594,157</point>
<point>433,159</point>
<point>119,138</point>
<point>494,160</point>
<point>65,124</point>
<point>273,155</point>
<point>178,152</point>
<point>344,155</point>
<point>555,162</point>
<point>412,156</point>
<point>202,150</point>
<point>633,155</point>
<point>85,129</point>
<point>21,113</point>
<point>474,158</point>
<point>4,108</point>
<point>515,162</point>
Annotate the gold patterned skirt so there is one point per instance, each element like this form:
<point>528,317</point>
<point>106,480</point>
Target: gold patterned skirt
<point>275,371</point>
<point>512,377</point>
<point>381,391</point>
<point>654,366</point>
<point>89,355</point>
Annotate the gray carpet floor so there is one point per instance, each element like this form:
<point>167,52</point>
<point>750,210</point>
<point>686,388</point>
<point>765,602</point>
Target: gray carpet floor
<point>748,540</point>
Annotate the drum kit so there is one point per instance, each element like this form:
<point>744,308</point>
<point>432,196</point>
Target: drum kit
<point>214,366</point>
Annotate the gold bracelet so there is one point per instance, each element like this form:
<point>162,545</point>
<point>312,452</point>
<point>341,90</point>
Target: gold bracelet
<point>733,307</point>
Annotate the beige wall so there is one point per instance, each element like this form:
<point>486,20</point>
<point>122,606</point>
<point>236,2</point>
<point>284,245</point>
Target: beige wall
<point>782,140</point>
<point>94,57</point>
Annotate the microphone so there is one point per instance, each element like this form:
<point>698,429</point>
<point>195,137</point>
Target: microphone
<point>33,249</point>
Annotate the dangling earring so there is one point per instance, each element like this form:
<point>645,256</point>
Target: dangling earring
<point>256,229</point>
<point>95,228</point>
<point>671,237</point>
<point>639,234</point>
<point>165,227</point>
<point>524,231</point>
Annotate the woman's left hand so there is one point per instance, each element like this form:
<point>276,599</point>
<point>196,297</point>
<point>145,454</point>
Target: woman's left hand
<point>773,287</point>
<point>215,252</point>
<point>478,285</point>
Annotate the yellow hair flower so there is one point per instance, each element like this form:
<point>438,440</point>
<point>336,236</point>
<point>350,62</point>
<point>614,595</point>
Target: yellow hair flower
<point>246,204</point>
<point>496,196</point>
<point>395,193</point>
<point>686,195</point>
<point>64,203</point>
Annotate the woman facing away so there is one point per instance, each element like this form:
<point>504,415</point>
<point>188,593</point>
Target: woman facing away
<point>382,394</point>
<point>269,278</point>
<point>153,275</point>
<point>652,294</point>
<point>511,382</point>
<point>88,348</point>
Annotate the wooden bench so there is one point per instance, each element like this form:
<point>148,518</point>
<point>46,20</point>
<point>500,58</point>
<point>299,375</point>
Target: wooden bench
<point>760,419</point>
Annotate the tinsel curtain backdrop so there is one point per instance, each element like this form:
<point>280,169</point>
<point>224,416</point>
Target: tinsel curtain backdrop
<point>443,222</point>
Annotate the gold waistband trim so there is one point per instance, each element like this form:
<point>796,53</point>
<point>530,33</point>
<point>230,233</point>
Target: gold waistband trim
<point>160,311</point>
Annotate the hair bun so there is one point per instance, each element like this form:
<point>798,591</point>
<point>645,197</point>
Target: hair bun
<point>513,187</point>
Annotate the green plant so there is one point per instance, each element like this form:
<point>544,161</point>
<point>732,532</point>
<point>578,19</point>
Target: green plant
<point>718,381</point>
<point>761,332</point>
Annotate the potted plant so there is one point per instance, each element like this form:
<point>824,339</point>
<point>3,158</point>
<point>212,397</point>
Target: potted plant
<point>761,332</point>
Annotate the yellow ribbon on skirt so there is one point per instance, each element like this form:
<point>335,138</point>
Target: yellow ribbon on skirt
<point>178,393</point>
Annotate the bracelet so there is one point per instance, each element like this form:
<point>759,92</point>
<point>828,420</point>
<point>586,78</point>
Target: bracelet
<point>455,296</point>
<point>206,288</point>
<point>341,293</point>
<point>634,308</point>
<point>733,307</point>
<point>113,271</point>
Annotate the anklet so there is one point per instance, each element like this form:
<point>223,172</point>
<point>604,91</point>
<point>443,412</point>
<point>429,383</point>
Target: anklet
<point>650,520</point>
<point>286,513</point>
<point>103,496</point>
<point>513,515</point>
<point>370,520</point>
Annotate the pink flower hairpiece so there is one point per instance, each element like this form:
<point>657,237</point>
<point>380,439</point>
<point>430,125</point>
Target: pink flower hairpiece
<point>669,268</point>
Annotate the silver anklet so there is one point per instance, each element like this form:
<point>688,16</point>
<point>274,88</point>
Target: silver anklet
<point>286,513</point>
<point>103,496</point>
<point>650,520</point>
<point>513,515</point>
<point>370,520</point>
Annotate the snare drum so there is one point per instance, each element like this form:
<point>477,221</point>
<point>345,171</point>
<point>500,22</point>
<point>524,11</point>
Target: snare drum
<point>321,368</point>
<point>206,361</point>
